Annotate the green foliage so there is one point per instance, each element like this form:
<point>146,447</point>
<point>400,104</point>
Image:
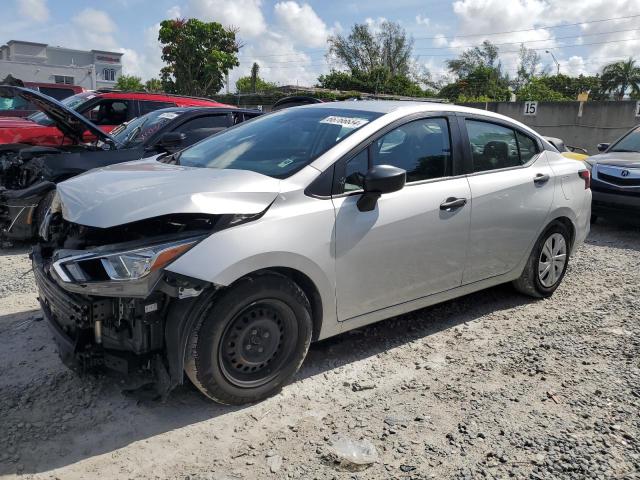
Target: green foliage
<point>570,87</point>
<point>153,85</point>
<point>379,80</point>
<point>484,56</point>
<point>364,50</point>
<point>538,90</point>
<point>619,77</point>
<point>483,82</point>
<point>129,83</point>
<point>198,56</point>
<point>249,85</point>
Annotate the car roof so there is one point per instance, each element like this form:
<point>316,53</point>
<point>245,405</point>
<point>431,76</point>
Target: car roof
<point>198,109</point>
<point>409,107</point>
<point>162,97</point>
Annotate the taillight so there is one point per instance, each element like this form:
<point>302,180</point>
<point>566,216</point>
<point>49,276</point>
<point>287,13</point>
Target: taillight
<point>586,176</point>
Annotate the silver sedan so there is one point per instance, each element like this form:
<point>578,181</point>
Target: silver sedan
<point>226,260</point>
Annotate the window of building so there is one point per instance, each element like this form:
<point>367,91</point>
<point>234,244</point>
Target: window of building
<point>63,79</point>
<point>109,74</point>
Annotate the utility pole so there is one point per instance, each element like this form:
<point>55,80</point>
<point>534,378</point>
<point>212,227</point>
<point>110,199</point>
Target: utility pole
<point>555,60</point>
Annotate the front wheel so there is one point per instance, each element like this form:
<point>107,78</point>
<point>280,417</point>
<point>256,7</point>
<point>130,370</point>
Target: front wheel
<point>251,341</point>
<point>547,263</point>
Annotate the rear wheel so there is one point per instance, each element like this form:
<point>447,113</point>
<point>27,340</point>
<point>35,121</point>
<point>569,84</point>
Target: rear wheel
<point>251,341</point>
<point>547,263</point>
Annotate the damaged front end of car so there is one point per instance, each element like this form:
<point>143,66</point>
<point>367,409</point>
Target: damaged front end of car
<point>108,299</point>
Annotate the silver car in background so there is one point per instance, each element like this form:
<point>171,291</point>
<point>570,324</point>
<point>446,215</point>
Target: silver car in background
<point>226,260</point>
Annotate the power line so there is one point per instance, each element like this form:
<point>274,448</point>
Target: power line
<point>566,25</point>
<point>302,64</point>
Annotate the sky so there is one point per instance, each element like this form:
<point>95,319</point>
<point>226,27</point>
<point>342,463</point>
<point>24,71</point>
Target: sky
<point>288,38</point>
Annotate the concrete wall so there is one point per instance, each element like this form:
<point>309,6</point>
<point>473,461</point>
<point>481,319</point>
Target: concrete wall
<point>31,72</point>
<point>583,124</point>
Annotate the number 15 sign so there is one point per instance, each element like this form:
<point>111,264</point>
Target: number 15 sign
<point>530,108</point>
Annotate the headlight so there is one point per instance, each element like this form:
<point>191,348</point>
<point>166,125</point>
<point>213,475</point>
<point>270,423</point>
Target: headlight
<point>128,265</point>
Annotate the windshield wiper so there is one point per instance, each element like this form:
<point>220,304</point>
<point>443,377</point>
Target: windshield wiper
<point>622,150</point>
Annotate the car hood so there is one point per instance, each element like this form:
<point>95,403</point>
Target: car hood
<point>16,122</point>
<point>70,122</point>
<point>128,192</point>
<point>618,159</point>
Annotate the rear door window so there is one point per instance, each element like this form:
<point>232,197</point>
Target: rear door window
<point>492,146</point>
<point>199,128</point>
<point>109,112</point>
<point>148,106</point>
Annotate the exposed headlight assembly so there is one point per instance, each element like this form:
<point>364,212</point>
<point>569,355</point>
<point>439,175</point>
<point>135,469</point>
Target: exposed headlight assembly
<point>128,265</point>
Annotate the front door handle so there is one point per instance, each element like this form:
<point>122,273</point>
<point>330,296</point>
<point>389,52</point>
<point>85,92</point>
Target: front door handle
<point>541,179</point>
<point>453,203</point>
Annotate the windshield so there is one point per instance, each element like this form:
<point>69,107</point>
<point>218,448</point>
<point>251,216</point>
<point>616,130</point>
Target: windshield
<point>71,103</point>
<point>278,144</point>
<point>630,143</point>
<point>138,130</point>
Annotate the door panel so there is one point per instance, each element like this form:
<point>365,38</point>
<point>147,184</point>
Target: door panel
<point>404,249</point>
<point>508,209</point>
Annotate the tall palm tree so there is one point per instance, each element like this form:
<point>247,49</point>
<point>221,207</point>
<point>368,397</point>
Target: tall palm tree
<point>618,77</point>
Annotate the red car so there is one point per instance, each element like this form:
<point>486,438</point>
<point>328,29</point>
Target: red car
<point>107,109</point>
<point>18,107</point>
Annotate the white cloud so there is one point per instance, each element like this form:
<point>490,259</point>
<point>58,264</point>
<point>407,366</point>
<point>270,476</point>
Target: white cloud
<point>280,62</point>
<point>246,15</point>
<point>440,40</point>
<point>93,29</point>
<point>302,23</point>
<point>420,20</point>
<point>145,62</point>
<point>478,16</point>
<point>174,12</point>
<point>35,10</point>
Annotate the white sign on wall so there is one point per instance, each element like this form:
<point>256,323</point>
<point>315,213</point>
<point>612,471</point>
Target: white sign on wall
<point>637,109</point>
<point>530,108</point>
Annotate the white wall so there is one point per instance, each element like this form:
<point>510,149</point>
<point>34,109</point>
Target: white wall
<point>33,72</point>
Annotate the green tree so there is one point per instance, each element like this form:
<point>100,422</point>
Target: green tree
<point>129,83</point>
<point>485,56</point>
<point>484,82</point>
<point>529,61</point>
<point>153,85</point>
<point>198,56</point>
<point>570,87</point>
<point>619,77</point>
<point>364,50</point>
<point>538,90</point>
<point>248,85</point>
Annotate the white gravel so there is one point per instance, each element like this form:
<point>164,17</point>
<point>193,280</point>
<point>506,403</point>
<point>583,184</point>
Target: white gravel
<point>493,385</point>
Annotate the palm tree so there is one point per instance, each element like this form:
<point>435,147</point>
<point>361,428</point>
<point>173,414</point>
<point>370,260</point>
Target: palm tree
<point>618,77</point>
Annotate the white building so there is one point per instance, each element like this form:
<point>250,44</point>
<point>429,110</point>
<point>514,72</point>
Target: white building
<point>39,62</point>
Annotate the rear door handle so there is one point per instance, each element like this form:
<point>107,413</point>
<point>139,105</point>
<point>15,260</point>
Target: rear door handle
<point>541,179</point>
<point>453,203</point>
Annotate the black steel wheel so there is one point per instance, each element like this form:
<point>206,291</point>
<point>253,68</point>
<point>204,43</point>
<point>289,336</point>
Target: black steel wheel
<point>251,340</point>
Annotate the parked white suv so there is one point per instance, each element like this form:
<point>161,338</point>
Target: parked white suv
<point>226,260</point>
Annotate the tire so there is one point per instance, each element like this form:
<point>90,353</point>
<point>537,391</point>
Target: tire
<point>533,281</point>
<point>251,340</point>
<point>41,210</point>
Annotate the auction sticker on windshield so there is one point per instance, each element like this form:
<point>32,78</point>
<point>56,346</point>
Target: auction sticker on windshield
<point>169,115</point>
<point>347,122</point>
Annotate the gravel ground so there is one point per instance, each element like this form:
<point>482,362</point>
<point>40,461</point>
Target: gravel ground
<point>492,385</point>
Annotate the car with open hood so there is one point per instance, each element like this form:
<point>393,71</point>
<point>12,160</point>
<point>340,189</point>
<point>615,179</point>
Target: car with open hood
<point>222,262</point>
<point>616,177</point>
<point>105,108</point>
<point>28,176</point>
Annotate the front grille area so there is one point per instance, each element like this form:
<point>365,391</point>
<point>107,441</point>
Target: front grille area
<point>622,181</point>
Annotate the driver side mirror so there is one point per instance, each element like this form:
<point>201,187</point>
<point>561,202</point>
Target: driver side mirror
<point>603,146</point>
<point>170,140</point>
<point>379,180</point>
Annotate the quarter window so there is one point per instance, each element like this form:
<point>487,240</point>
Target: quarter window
<point>355,170</point>
<point>494,147</point>
<point>421,147</point>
